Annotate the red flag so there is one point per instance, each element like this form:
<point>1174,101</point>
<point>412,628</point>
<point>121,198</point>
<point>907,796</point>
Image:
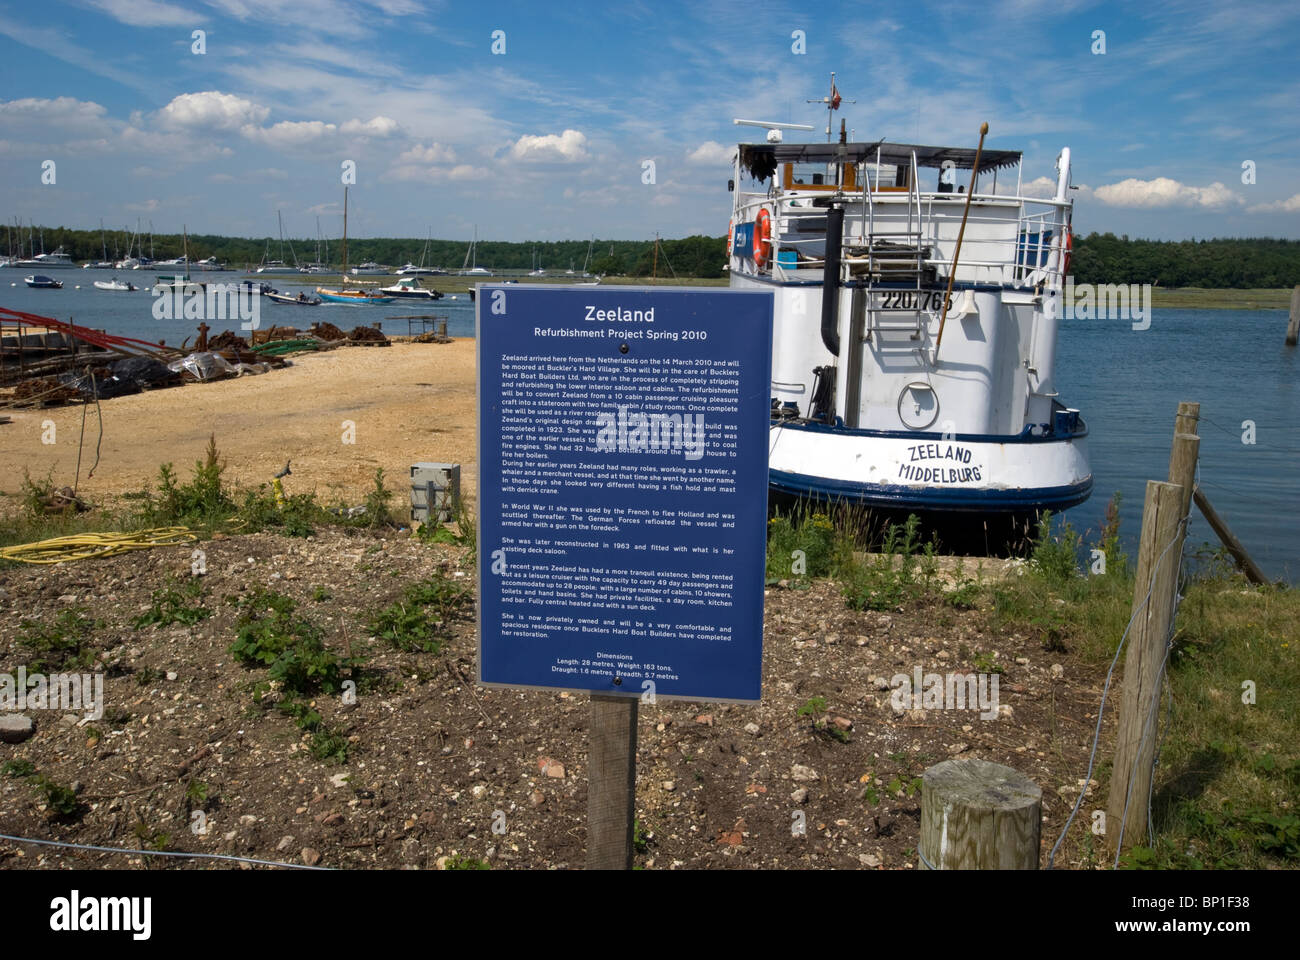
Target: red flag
<point>835,96</point>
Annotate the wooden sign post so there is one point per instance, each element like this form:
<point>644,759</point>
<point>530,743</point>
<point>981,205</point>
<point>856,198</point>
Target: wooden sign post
<point>611,782</point>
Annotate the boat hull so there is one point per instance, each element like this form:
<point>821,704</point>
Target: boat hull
<point>963,474</point>
<point>345,298</point>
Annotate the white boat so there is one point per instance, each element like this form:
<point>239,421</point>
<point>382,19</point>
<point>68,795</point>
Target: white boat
<point>115,284</point>
<point>58,260</point>
<point>408,288</point>
<point>909,375</point>
<point>369,269</point>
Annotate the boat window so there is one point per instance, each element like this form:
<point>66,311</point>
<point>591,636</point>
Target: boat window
<point>817,176</point>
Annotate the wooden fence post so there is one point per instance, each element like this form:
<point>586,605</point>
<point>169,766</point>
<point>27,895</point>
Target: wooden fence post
<point>1229,539</point>
<point>1159,558</point>
<point>611,782</point>
<point>977,815</point>
<point>1182,468</point>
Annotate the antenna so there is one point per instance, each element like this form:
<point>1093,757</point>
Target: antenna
<point>832,104</point>
<point>773,128</point>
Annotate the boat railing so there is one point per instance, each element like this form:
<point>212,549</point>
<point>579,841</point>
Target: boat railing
<point>1025,232</point>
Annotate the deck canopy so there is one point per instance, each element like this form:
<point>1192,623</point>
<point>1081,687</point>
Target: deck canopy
<point>760,159</point>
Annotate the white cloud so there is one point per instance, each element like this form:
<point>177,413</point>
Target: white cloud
<point>1043,187</point>
<point>146,13</point>
<point>289,133</point>
<point>1290,205</point>
<point>1164,192</point>
<point>221,178</point>
<point>374,127</point>
<point>61,109</point>
<point>212,110</point>
<point>711,153</point>
<point>433,153</point>
<point>569,146</point>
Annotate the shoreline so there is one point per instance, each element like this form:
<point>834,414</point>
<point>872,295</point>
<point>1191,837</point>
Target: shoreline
<point>407,403</point>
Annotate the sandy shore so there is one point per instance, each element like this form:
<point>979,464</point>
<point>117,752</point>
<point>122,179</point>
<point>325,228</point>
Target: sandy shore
<point>409,403</point>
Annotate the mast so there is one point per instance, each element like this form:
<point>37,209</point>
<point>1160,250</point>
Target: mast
<point>832,101</point>
<point>185,248</point>
<point>280,223</point>
<point>345,234</point>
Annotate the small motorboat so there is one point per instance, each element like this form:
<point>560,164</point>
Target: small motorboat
<point>408,288</point>
<point>41,282</point>
<point>115,284</point>
<point>301,300</point>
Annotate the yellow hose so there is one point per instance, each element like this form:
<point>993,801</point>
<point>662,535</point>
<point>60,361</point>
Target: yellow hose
<point>82,546</point>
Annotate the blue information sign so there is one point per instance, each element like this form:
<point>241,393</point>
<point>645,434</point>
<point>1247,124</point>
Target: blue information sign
<point>623,438</point>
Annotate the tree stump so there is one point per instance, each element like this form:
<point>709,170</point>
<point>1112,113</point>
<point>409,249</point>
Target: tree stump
<point>977,815</point>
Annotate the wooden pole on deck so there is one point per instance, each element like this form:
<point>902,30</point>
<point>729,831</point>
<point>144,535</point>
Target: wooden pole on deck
<point>952,274</point>
<point>611,782</point>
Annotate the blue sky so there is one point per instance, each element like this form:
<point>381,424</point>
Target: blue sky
<point>548,139</point>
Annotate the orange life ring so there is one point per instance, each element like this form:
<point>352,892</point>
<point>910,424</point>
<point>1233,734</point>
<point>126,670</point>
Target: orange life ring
<point>1069,249</point>
<point>762,238</point>
<point>731,226</point>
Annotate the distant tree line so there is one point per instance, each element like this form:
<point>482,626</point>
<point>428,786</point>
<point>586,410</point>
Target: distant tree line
<point>689,257</point>
<point>1097,258</point>
<point>1240,264</point>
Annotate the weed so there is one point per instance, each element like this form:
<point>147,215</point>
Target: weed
<point>641,838</point>
<point>272,634</point>
<point>815,709</point>
<point>59,800</point>
<point>459,862</point>
<point>1056,557</point>
<point>147,675</point>
<point>418,622</point>
<point>61,643</point>
<point>175,603</point>
<point>18,768</point>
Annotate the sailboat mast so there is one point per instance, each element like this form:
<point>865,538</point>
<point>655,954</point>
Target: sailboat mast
<point>345,233</point>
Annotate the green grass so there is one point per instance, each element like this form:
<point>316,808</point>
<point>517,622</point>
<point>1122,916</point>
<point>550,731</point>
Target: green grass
<point>1227,787</point>
<point>1212,299</point>
<point>204,503</point>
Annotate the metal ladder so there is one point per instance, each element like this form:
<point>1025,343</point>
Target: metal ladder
<point>912,249</point>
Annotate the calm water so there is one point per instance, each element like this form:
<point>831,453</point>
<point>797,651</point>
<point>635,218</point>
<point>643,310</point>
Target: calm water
<point>1127,383</point>
<point>131,314</point>
<point>1233,362</point>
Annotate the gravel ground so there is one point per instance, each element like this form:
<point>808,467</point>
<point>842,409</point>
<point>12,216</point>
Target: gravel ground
<point>441,767</point>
